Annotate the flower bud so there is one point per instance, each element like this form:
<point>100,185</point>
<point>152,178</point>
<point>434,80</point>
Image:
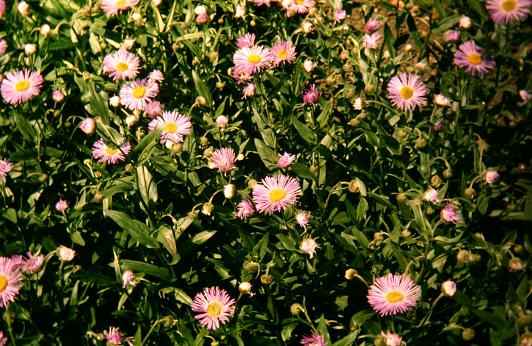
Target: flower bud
<point>448,288</point>
<point>465,22</point>
<point>435,181</point>
<point>207,208</point>
<point>23,8</point>
<point>515,264</point>
<point>245,288</point>
<point>266,279</point>
<point>251,267</point>
<point>58,96</point>
<point>45,30</point>
<point>114,101</point>
<point>296,308</point>
<point>308,65</point>
<point>88,126</point>
<point>229,191</point>
<point>65,254</point>
<point>468,334</point>
<point>350,274</point>
<point>200,100</point>
<point>469,193</point>
<point>30,49</point>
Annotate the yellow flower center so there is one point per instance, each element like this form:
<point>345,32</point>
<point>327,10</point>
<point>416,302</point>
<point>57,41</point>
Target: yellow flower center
<point>111,151</point>
<point>407,92</point>
<point>276,195</point>
<point>474,58</point>
<point>23,85</point>
<point>300,2</point>
<point>282,54</point>
<point>508,5</point>
<point>170,127</point>
<point>139,92</point>
<point>3,283</point>
<point>121,4</point>
<point>254,58</point>
<point>214,309</point>
<point>122,66</point>
<point>395,297</point>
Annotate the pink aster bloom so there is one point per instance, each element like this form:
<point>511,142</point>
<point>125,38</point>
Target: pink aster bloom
<point>20,86</point>
<point>61,205</point>
<point>469,57</point>
<point>249,90</point>
<point>33,264</point>
<point>431,195</point>
<point>506,11</point>
<point>88,126</point>
<point>10,280</point>
<point>113,7</point>
<point>112,155</point>
<point>223,159</point>
<point>153,109</point>
<point>214,306</point>
<point>137,94</point>
<point>128,279</point>
<point>246,41</point>
<point>3,338</point>
<point>245,209</point>
<point>372,41</point>
<point>3,45</point>
<point>276,193</point>
<point>452,36</point>
<point>391,339</point>
<point>283,51</point>
<point>174,126</point>
<point>491,177</point>
<point>450,214</point>
<point>302,6</point>
<point>339,15</point>
<point>313,340</point>
<point>393,294</point>
<point>156,76</point>
<point>407,91</point>
<point>121,64</point>
<point>241,75</point>
<point>18,261</point>
<point>311,95</point>
<point>252,59</point>
<point>372,25</point>
<point>302,219</point>
<point>5,168</point>
<point>114,336</point>
<point>285,160</point>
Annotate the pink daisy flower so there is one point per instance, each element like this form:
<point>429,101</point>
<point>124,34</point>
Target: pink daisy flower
<point>491,177</point>
<point>111,155</point>
<point>391,339</point>
<point>245,209</point>
<point>223,159</point>
<point>5,168</point>
<point>214,306</point>
<point>33,264</point>
<point>393,294</point>
<point>276,193</point>
<point>153,109</point>
<point>114,336</point>
<point>61,205</point>
<point>113,7</point>
<point>469,57</point>
<point>246,41</point>
<point>301,6</point>
<point>339,15</point>
<point>137,94</point>
<point>407,91</point>
<point>450,214</point>
<point>20,86</point>
<point>283,51</point>
<point>252,59</point>
<point>506,11</point>
<point>3,46</point>
<point>313,340</point>
<point>10,280</point>
<point>121,65</point>
<point>371,41</point>
<point>303,218</point>
<point>174,127</point>
<point>285,160</point>
<point>3,338</point>
<point>372,25</point>
<point>311,95</point>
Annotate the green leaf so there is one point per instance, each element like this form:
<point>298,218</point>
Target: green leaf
<point>146,185</point>
<point>304,131</point>
<point>25,127</point>
<point>136,229</point>
<point>202,237</point>
<point>146,268</point>
<point>166,237</point>
<point>201,87</point>
<point>268,156</point>
<point>145,147</point>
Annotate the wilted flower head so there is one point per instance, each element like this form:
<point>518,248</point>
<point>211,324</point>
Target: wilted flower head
<point>339,15</point>
<point>10,280</point>
<point>88,126</point>
<point>469,56</point>
<point>507,11</point>
<point>309,246</point>
<point>23,8</point>
<point>249,90</point>
<point>308,65</point>
<point>491,177</point>
<point>407,91</point>
<point>20,86</point>
<point>3,338</point>
<point>393,294</point>
<point>245,288</point>
<point>448,288</point>
<point>65,254</point>
<point>276,193</point>
<point>465,22</point>
<point>223,159</point>
<point>128,279</point>
<point>229,191</point>
<point>214,306</point>
<point>391,339</point>
<point>5,168</point>
<point>313,340</point>
<point>372,25</point>
<point>302,218</point>
<point>33,264</point>
<point>2,8</point>
<point>61,205</point>
<point>114,336</point>
<point>3,43</point>
<point>523,94</point>
<point>285,160</point>
<point>245,209</point>
<point>371,41</point>
<point>431,195</point>
<point>30,48</point>
<point>452,36</point>
<point>515,264</point>
<point>240,12</point>
<point>450,214</point>
<point>311,95</point>
<point>113,7</point>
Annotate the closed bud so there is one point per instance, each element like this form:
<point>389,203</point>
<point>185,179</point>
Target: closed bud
<point>245,288</point>
<point>295,309</point>
<point>30,49</point>
<point>420,142</point>
<point>204,141</point>
<point>23,8</point>
<point>353,186</point>
<point>251,266</point>
<point>207,208</point>
<point>406,233</point>
<point>200,100</point>
<point>313,169</point>
<point>213,56</point>
<point>350,274</point>
<point>220,85</point>
<point>114,101</point>
<point>435,181</point>
<point>463,256</point>
<point>447,173</point>
<point>229,191</point>
<point>401,197</point>
<point>468,334</point>
<point>465,22</point>
<point>177,148</point>
<point>448,288</point>
<point>515,264</point>
<point>45,30</point>
<point>469,193</point>
<point>266,279</point>
<point>252,183</point>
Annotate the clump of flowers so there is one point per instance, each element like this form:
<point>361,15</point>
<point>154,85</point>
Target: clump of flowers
<point>214,307</point>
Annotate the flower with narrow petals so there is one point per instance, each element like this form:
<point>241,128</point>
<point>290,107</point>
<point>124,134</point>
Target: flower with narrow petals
<point>244,209</point>
<point>114,336</point>
<point>136,95</point>
<point>241,75</point>
<point>452,36</point>
<point>507,11</point>
<point>223,159</point>
<point>249,90</point>
<point>309,246</point>
<point>61,205</point>
<point>113,7</point>
<point>65,254</point>
<point>301,6</point>
<point>431,195</point>
<point>153,109</point>
<point>407,91</point>
<point>313,340</point>
<point>214,306</point>
<point>391,339</point>
<point>128,279</point>
<point>33,264</point>
<point>156,76</point>
<point>283,51</point>
<point>10,280</point>
<point>5,168</point>
<point>88,126</point>
<point>450,214</point>
<point>252,59</point>
<point>112,155</point>
<point>302,218</point>
<point>371,41</point>
<point>246,41</point>
<point>339,15</point>
<point>276,193</point>
<point>285,160</point>
<point>491,177</point>
<point>448,288</point>
<point>121,64</point>
<point>20,86</point>
<point>469,56</point>
<point>372,25</point>
<point>3,338</point>
<point>174,126</point>
<point>393,294</point>
<point>311,95</point>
